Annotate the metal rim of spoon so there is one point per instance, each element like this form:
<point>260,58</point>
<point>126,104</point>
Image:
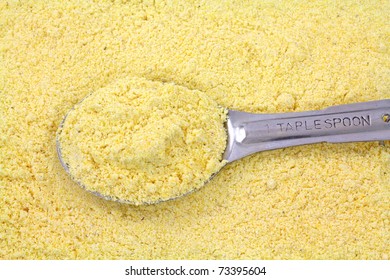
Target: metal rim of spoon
<point>250,133</point>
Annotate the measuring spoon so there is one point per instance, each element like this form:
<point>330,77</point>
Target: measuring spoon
<point>251,133</point>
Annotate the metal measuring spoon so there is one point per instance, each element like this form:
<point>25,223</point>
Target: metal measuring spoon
<point>251,133</point>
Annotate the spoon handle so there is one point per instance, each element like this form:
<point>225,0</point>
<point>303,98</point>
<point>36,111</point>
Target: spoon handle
<point>250,133</point>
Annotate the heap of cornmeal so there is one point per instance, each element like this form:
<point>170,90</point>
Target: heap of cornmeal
<point>143,142</point>
<point>325,201</point>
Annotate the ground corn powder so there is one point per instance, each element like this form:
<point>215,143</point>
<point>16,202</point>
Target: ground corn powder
<point>143,142</point>
<point>325,201</point>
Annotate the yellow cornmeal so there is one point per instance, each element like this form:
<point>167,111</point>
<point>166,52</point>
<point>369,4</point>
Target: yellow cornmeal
<point>143,142</point>
<point>325,201</point>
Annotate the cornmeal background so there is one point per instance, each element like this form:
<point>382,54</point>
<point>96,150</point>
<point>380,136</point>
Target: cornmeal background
<point>325,201</point>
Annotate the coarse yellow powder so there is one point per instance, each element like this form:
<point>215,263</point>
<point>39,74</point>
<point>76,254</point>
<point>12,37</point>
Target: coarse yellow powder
<point>143,142</point>
<point>325,201</point>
